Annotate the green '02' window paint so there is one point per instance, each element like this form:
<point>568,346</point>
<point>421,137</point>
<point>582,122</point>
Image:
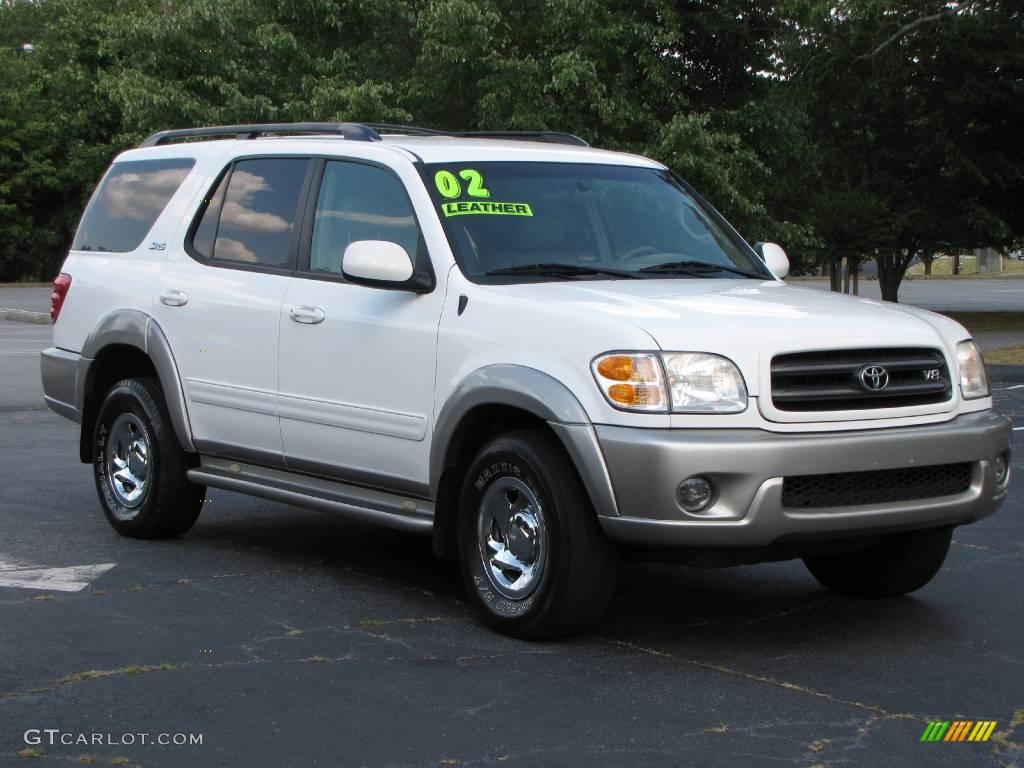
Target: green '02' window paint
<point>449,187</point>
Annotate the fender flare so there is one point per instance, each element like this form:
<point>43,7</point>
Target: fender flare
<point>545,397</point>
<point>134,328</point>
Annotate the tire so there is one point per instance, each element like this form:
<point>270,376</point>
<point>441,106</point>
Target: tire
<point>561,568</point>
<point>139,466</point>
<point>895,565</point>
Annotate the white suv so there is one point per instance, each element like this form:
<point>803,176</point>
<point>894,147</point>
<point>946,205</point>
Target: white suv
<point>534,351</point>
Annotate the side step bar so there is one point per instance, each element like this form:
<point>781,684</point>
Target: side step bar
<point>356,503</point>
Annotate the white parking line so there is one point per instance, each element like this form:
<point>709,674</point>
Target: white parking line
<point>70,579</point>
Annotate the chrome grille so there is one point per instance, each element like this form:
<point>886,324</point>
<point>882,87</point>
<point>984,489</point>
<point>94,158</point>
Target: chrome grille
<point>880,486</point>
<point>841,380</point>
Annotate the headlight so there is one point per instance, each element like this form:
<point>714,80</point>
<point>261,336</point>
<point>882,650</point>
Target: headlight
<point>633,382</point>
<point>703,383</point>
<point>973,379</point>
<point>696,382</point>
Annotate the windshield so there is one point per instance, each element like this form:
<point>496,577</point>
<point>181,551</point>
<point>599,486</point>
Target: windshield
<point>517,222</point>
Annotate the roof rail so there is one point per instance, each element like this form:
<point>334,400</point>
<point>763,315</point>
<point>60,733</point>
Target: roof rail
<point>550,137</point>
<point>351,131</point>
<point>410,130</point>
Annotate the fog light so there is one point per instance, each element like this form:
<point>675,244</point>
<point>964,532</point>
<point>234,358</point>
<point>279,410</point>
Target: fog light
<point>695,493</point>
<point>1001,467</point>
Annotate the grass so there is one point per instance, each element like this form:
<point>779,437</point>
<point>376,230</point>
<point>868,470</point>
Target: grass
<point>989,321</point>
<point>1005,356</point>
<point>943,267</point>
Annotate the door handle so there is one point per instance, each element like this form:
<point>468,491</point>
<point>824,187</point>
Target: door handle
<point>174,298</point>
<point>307,315</point>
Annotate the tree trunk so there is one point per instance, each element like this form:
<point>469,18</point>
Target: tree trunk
<point>856,280</point>
<point>927,259</point>
<point>833,276</point>
<point>891,266</point>
<point>956,264</point>
<point>888,278</point>
<point>846,274</point>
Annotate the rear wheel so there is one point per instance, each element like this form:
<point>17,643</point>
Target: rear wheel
<point>140,468</point>
<point>533,556</point>
<point>894,565</point>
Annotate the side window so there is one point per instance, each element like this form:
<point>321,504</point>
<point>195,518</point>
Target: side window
<point>128,202</point>
<point>250,216</point>
<point>206,232</point>
<point>359,202</point>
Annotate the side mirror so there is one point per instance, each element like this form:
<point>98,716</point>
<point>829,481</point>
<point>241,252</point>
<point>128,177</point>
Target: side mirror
<point>774,258</point>
<point>378,263</point>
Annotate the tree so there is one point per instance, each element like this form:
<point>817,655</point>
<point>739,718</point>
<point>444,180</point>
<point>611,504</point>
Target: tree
<point>916,107</point>
<point>854,131</point>
<point>676,80</point>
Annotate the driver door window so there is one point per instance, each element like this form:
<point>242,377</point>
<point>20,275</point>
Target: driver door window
<point>359,202</point>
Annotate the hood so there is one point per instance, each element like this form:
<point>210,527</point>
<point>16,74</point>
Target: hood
<point>744,320</point>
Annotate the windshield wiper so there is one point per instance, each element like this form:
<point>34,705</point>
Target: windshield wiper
<point>697,268</point>
<point>568,271</point>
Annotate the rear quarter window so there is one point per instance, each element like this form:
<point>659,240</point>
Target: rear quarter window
<point>128,202</point>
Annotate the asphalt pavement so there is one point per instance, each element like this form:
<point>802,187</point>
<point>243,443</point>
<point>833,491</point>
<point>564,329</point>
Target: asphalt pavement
<point>283,637</point>
<point>20,344</point>
<point>29,298</point>
<point>963,294</point>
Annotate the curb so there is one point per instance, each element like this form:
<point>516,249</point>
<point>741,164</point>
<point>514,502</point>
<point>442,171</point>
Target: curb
<point>24,316</point>
<point>1013,374</point>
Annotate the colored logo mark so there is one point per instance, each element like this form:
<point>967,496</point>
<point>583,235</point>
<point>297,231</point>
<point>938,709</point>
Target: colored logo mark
<point>959,730</point>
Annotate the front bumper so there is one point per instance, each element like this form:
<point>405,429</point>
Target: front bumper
<point>748,467</point>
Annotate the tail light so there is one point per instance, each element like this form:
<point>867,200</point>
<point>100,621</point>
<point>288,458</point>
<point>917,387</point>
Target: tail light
<point>61,286</point>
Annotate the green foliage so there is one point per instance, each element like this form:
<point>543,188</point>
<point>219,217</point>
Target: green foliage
<point>853,130</point>
<point>915,108</point>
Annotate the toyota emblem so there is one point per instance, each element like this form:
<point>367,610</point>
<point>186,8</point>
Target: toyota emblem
<point>874,378</point>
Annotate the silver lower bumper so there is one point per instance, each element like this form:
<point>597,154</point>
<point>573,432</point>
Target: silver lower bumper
<point>60,370</point>
<point>748,467</point>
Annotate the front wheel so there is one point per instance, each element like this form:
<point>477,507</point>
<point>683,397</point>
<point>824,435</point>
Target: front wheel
<point>533,556</point>
<point>894,565</point>
<point>140,469</point>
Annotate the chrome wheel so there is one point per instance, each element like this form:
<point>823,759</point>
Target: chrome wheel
<point>127,461</point>
<point>512,538</point>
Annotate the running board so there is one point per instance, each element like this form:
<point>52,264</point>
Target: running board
<point>352,501</point>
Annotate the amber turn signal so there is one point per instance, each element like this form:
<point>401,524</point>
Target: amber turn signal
<point>637,395</point>
<point>631,381</point>
<point>623,394</point>
<point>616,367</point>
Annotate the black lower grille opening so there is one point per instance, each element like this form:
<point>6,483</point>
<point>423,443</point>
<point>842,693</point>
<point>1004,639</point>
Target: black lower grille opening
<point>850,489</point>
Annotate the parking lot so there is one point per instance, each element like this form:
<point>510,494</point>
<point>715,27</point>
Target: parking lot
<point>284,637</point>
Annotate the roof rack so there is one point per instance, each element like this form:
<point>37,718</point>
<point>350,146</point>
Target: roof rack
<point>352,132</point>
<point>549,137</point>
